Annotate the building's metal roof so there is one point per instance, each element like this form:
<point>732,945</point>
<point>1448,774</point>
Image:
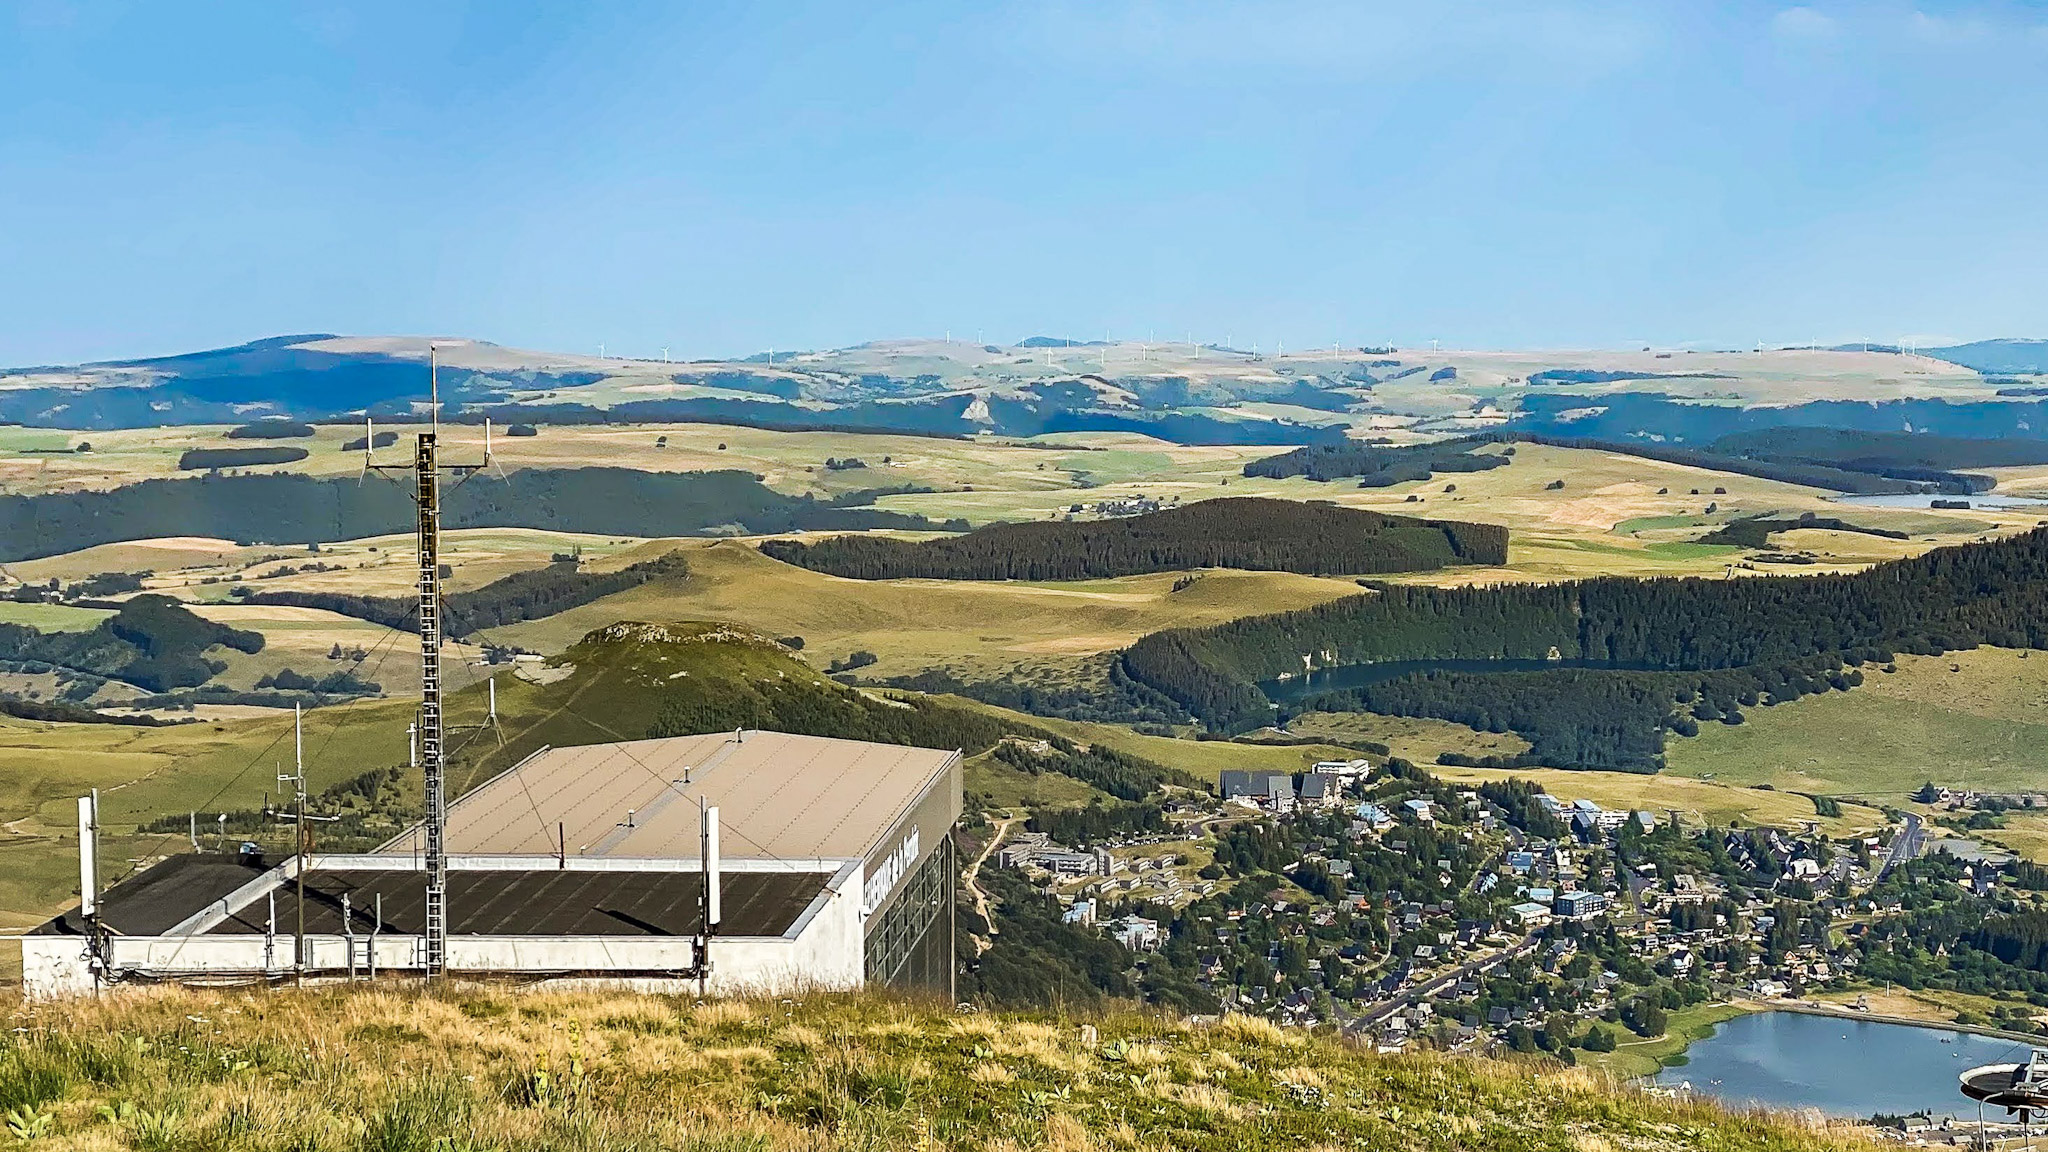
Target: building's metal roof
<point>151,902</point>
<point>541,903</point>
<point>780,796</point>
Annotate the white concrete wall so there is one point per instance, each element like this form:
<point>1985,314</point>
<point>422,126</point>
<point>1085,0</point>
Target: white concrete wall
<point>54,966</point>
<point>827,953</point>
<point>824,954</point>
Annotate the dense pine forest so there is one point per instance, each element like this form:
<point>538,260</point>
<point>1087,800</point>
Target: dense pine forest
<point>511,599</point>
<point>1664,654</point>
<point>1755,531</point>
<point>195,459</point>
<point>293,509</point>
<point>1376,465</point>
<point>1839,460</point>
<point>1253,533</point>
<point>153,642</point>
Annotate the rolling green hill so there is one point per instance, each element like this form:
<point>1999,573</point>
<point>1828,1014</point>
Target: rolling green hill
<point>632,681</point>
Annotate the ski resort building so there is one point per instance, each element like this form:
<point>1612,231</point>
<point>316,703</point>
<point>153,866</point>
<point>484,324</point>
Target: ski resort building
<point>729,862</point>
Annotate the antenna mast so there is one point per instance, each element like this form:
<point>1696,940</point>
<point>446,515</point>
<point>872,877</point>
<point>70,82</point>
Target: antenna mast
<point>426,468</point>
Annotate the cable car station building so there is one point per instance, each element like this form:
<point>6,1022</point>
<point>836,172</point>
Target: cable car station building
<point>734,862</point>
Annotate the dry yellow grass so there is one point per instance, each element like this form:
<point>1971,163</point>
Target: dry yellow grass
<point>1968,719</point>
<point>1698,801</point>
<point>978,628</point>
<point>478,1068</point>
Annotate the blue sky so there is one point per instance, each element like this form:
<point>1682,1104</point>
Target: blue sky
<point>722,178</point>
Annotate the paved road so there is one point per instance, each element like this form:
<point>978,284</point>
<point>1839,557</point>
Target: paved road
<point>1431,987</point>
<point>1905,845</point>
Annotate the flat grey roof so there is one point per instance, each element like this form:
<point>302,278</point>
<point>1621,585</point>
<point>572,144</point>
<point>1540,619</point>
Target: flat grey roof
<point>780,796</point>
<point>152,901</point>
<point>541,903</point>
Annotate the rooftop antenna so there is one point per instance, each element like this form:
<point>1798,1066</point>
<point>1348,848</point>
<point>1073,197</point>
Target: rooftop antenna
<point>707,858</point>
<point>426,470</point>
<point>89,877</point>
<point>297,779</point>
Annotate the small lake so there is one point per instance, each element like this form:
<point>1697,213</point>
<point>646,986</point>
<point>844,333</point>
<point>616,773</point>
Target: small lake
<point>1989,501</point>
<point>1843,1067</point>
<point>1358,675</point>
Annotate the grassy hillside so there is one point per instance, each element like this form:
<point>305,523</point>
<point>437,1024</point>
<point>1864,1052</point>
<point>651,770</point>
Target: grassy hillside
<point>977,629</point>
<point>1208,759</point>
<point>1969,719</point>
<point>481,1069</point>
<point>147,773</point>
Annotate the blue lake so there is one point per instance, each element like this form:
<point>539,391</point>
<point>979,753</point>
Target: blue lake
<point>1852,1068</point>
<point>1358,675</point>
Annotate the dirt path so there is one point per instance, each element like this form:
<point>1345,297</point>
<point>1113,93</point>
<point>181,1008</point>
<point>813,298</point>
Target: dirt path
<point>973,873</point>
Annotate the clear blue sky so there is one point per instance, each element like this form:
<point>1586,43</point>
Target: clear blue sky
<point>720,178</point>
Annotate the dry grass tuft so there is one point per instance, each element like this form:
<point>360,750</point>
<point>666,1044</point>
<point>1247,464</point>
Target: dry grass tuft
<point>398,1068</point>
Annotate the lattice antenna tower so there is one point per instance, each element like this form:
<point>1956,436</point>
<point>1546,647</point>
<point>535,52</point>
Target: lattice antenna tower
<point>426,469</point>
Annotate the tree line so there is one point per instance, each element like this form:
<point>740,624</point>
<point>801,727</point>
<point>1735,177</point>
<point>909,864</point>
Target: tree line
<point>1120,774</point>
<point>153,642</point>
<point>1755,531</point>
<point>1241,532</point>
<point>1839,460</point>
<point>529,595</point>
<point>1376,465</point>
<point>197,459</point>
<point>294,509</point>
<point>1714,646</point>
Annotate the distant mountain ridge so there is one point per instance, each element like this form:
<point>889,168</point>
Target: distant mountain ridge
<point>2027,356</point>
<point>919,387</point>
<point>1185,393</point>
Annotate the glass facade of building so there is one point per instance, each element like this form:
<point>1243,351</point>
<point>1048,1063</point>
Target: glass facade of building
<point>910,944</point>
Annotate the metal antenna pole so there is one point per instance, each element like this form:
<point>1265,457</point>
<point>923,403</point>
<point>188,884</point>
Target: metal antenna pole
<point>298,779</point>
<point>429,750</point>
<point>429,476</point>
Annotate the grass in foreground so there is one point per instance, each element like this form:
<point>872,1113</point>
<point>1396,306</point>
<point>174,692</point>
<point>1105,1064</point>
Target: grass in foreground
<point>395,1070</point>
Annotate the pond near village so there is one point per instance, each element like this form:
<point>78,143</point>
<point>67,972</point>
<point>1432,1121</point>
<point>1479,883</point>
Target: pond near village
<point>1844,1067</point>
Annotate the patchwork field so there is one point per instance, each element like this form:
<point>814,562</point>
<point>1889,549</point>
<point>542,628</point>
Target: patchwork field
<point>1614,513</point>
<point>304,639</point>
